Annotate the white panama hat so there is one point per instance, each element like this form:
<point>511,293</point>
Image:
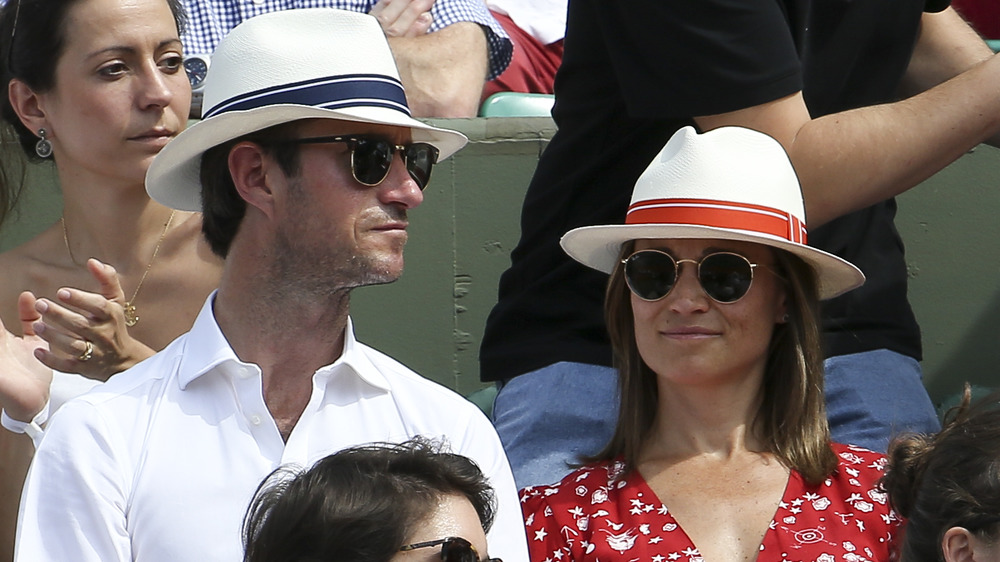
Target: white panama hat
<point>285,66</point>
<point>730,183</point>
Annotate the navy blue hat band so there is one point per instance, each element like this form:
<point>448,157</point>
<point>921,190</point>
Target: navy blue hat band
<point>367,90</point>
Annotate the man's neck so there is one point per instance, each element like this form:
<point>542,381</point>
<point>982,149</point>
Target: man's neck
<point>288,336</point>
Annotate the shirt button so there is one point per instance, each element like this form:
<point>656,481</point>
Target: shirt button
<point>255,420</point>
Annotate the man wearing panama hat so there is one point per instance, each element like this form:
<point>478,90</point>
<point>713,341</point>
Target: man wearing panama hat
<point>304,170</point>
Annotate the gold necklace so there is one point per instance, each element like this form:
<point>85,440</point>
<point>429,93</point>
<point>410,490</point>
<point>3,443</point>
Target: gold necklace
<point>131,314</point>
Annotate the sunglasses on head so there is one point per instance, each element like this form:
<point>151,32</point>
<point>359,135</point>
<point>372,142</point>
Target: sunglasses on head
<point>724,276</point>
<point>453,549</point>
<point>371,157</point>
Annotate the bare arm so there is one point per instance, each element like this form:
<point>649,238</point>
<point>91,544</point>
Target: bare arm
<point>850,160</point>
<point>443,71</point>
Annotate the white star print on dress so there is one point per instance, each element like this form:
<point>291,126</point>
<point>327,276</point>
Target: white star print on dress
<point>846,518</point>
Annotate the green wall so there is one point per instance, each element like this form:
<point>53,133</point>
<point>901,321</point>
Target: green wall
<point>432,319</point>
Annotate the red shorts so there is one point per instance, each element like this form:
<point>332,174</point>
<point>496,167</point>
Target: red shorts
<point>533,66</point>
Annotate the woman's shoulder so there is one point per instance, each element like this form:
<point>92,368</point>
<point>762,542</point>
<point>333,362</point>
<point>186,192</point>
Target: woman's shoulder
<point>857,476</point>
<point>859,458</point>
<point>29,267</point>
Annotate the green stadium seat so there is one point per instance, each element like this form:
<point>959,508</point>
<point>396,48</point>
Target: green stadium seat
<point>516,104</point>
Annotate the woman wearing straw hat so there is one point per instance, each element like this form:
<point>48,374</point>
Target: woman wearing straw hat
<point>722,449</point>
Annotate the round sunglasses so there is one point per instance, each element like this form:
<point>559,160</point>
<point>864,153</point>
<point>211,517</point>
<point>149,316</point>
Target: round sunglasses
<point>453,549</point>
<point>724,276</point>
<point>371,157</point>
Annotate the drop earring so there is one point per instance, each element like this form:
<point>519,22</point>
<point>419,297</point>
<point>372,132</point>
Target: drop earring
<point>43,148</point>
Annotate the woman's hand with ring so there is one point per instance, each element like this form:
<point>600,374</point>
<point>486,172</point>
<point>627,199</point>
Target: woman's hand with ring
<point>86,332</point>
<point>88,352</point>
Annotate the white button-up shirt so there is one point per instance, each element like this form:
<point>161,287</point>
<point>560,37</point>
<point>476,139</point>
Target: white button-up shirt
<point>160,463</point>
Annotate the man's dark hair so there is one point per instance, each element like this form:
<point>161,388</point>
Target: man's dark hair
<point>222,206</point>
<point>359,504</point>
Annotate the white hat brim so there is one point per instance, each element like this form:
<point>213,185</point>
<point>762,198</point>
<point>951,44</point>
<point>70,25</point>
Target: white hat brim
<point>599,247</point>
<point>174,180</point>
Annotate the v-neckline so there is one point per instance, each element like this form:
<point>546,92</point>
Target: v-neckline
<point>645,488</point>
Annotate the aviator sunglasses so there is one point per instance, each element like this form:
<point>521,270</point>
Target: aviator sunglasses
<point>371,157</point>
<point>453,549</point>
<point>724,276</point>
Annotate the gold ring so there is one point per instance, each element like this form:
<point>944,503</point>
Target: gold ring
<point>88,352</point>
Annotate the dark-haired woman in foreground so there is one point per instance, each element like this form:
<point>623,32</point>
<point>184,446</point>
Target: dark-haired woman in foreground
<point>373,503</point>
<point>722,449</point>
<point>947,486</point>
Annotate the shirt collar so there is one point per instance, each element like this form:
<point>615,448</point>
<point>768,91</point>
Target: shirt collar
<point>206,348</point>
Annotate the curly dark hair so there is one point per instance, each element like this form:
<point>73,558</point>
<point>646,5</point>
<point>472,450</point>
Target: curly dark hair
<point>360,504</point>
<point>949,479</point>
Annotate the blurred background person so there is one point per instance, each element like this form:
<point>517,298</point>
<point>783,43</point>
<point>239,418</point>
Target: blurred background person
<point>445,49</point>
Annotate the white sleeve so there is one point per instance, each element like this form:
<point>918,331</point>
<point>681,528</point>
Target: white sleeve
<point>75,499</point>
<point>507,539</point>
<point>64,387</point>
<point>32,428</point>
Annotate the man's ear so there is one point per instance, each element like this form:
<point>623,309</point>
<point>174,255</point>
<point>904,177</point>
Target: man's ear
<point>251,169</point>
<point>28,105</point>
<point>958,545</point>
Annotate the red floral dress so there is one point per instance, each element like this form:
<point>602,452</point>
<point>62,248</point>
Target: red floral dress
<point>587,517</point>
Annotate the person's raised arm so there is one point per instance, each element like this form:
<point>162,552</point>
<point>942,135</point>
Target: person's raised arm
<point>847,161</point>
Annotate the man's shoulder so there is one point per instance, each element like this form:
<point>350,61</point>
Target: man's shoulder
<point>398,374</point>
<point>406,383</point>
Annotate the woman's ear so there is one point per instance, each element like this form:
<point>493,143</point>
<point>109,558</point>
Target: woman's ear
<point>28,105</point>
<point>958,545</point>
<point>781,308</point>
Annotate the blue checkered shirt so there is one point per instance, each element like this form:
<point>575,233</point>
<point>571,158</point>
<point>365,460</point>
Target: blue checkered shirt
<point>210,20</point>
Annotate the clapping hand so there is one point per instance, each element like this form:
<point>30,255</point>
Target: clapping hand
<point>86,332</point>
<point>24,382</point>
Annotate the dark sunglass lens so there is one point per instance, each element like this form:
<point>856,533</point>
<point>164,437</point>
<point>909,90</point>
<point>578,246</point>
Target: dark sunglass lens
<point>420,158</point>
<point>458,550</point>
<point>371,160</point>
<point>650,275</point>
<point>726,277</point>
